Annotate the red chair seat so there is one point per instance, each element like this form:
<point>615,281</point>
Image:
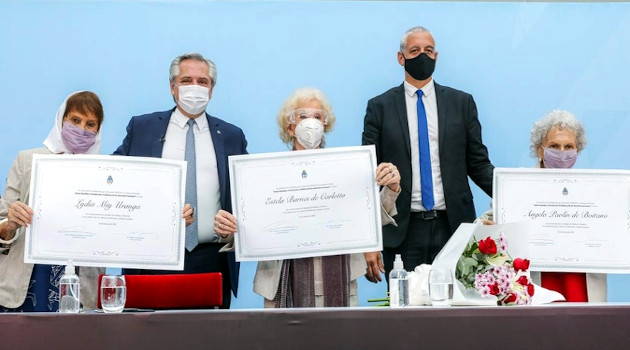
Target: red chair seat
<point>184,291</point>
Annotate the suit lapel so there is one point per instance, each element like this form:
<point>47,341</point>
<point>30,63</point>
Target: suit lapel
<point>440,97</point>
<point>219,151</point>
<point>401,112</point>
<point>159,131</point>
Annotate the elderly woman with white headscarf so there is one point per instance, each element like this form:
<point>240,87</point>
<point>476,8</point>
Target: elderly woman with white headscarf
<point>27,287</point>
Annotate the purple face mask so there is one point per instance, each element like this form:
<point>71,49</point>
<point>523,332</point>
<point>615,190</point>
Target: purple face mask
<point>76,139</point>
<point>556,159</point>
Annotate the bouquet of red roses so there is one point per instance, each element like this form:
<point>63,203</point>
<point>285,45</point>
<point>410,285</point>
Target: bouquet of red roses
<point>486,266</point>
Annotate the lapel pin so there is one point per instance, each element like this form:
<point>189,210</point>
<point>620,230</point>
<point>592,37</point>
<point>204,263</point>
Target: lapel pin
<point>219,132</point>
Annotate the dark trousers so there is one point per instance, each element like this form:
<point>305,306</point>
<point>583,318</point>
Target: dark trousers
<point>424,240</point>
<point>204,258</point>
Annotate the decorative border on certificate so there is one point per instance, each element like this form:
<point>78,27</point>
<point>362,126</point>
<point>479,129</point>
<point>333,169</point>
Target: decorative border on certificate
<point>580,219</point>
<point>306,203</point>
<point>111,211</point>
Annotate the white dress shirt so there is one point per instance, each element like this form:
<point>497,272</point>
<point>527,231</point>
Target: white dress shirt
<point>430,107</point>
<point>208,195</point>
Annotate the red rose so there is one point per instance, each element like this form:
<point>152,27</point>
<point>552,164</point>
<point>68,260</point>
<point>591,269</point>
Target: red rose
<point>521,264</point>
<point>523,280</point>
<point>530,290</point>
<point>510,298</point>
<point>494,289</point>
<point>488,246</point>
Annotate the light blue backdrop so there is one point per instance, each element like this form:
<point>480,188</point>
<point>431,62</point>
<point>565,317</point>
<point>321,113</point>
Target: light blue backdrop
<point>519,60</point>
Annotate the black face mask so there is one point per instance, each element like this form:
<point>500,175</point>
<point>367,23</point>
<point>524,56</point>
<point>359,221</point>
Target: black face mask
<point>420,67</point>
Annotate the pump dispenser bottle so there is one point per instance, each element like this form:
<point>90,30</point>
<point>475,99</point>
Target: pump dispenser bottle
<point>398,284</point>
<point>69,301</point>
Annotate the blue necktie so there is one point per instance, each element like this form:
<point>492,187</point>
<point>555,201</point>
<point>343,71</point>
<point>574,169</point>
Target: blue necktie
<point>426,179</point>
<point>192,235</point>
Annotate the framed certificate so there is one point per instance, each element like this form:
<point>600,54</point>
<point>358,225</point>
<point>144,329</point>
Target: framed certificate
<point>306,203</point>
<point>109,211</point>
<point>579,219</point>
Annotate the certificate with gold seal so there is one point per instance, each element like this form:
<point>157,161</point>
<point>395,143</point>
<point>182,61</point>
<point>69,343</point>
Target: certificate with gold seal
<point>305,203</point>
<point>112,211</point>
<point>577,220</point>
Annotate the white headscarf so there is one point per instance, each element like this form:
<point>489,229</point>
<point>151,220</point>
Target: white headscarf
<point>54,142</point>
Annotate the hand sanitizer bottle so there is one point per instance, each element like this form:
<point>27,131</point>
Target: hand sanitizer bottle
<point>398,284</point>
<point>69,291</point>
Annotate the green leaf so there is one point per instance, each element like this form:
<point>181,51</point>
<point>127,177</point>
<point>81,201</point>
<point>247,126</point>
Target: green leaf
<point>378,300</point>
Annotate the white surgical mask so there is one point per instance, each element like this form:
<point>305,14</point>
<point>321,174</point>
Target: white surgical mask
<point>309,133</point>
<point>193,98</point>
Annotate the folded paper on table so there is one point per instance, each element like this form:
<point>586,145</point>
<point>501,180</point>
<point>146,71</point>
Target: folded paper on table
<point>449,256</point>
<point>419,285</point>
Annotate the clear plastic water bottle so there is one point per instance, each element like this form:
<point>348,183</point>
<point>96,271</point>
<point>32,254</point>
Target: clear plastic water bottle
<point>398,284</point>
<point>69,290</point>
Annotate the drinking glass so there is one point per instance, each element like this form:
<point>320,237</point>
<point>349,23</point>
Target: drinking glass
<point>113,293</point>
<point>441,287</point>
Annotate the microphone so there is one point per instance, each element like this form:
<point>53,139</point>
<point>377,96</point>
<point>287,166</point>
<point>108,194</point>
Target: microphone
<point>162,139</point>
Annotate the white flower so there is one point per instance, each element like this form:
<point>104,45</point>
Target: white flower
<point>497,260</point>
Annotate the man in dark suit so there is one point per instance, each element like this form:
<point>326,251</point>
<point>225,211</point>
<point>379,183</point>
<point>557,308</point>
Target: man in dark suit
<point>187,132</point>
<point>432,134</point>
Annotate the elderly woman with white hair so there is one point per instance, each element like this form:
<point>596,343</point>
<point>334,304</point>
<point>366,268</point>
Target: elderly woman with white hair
<point>556,141</point>
<point>329,281</point>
